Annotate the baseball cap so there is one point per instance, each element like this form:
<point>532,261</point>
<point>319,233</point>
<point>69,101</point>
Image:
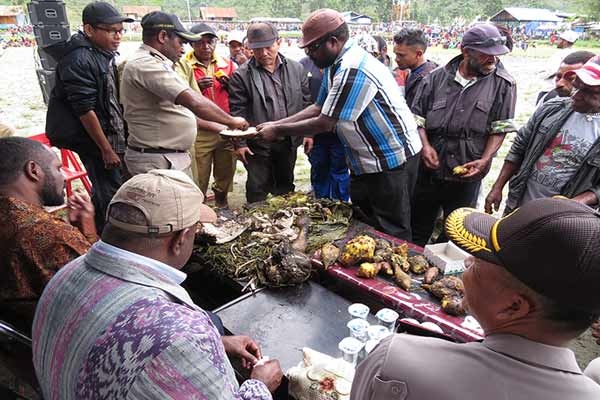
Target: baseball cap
<point>318,24</point>
<point>162,20</point>
<point>169,200</point>
<point>100,12</point>
<point>261,34</point>
<point>589,73</point>
<point>203,29</point>
<point>236,36</point>
<point>569,35</point>
<point>486,39</point>
<point>550,244</point>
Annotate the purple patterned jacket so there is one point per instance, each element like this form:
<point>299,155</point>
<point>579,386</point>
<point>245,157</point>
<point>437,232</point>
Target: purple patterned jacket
<point>115,325</point>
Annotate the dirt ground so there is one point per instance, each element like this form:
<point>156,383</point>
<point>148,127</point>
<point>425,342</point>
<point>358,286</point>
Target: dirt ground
<point>21,105</point>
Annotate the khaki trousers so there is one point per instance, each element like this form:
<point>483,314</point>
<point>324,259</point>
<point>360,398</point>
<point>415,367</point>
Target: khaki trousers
<point>216,155</point>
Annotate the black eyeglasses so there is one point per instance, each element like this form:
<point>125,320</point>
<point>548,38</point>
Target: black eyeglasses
<point>317,45</point>
<point>113,32</point>
<point>490,42</point>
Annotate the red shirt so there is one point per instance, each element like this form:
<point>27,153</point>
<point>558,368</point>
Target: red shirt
<point>217,93</point>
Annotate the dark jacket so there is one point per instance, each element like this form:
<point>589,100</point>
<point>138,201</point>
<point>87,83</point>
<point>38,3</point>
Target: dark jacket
<point>81,86</point>
<point>247,95</point>
<point>531,142</point>
<point>415,78</point>
<point>458,120</point>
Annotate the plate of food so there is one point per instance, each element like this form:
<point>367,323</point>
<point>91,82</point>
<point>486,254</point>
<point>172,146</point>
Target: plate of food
<point>239,134</point>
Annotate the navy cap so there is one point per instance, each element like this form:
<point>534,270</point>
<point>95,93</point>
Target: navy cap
<point>486,39</point>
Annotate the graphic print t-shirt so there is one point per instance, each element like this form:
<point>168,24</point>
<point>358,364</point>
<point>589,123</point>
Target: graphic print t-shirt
<point>562,157</point>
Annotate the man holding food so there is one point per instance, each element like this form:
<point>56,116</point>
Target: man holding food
<point>269,87</point>
<point>463,110</point>
<point>213,153</point>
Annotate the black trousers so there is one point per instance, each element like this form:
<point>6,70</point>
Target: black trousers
<point>384,198</point>
<point>433,195</point>
<point>105,183</point>
<point>270,170</point>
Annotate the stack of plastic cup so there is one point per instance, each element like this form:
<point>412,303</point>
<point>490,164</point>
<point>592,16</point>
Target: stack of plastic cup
<point>387,318</point>
<point>358,310</point>
<point>359,329</point>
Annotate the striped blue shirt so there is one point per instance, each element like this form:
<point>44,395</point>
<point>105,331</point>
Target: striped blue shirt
<point>374,123</point>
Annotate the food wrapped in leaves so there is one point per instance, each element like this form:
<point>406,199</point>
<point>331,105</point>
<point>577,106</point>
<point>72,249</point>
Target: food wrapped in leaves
<point>447,286</point>
<point>288,266</point>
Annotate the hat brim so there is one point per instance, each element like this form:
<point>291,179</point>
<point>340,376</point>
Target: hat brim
<point>586,76</point>
<point>496,50</point>
<point>472,231</point>
<point>261,44</point>
<point>115,20</point>
<point>192,37</point>
<point>207,214</point>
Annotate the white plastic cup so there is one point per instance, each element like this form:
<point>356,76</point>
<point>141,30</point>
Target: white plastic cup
<point>350,348</point>
<point>358,310</point>
<point>378,332</point>
<point>359,329</point>
<point>387,318</point>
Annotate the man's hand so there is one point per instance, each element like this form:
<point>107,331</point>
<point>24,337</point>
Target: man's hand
<point>80,208</point>
<point>205,83</point>
<point>224,81</point>
<point>111,159</point>
<point>476,167</point>
<point>430,157</point>
<point>268,131</point>
<point>242,153</point>
<point>243,348</point>
<point>493,200</point>
<point>308,144</point>
<point>238,123</point>
<point>268,373</point>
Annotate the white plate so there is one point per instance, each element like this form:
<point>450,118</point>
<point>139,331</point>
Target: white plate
<point>237,133</point>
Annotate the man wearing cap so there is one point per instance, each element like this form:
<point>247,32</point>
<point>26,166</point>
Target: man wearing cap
<point>159,105</point>
<point>532,285</point>
<point>117,322</point>
<point>269,87</point>
<point>235,42</point>
<point>84,111</point>
<point>563,87</point>
<point>463,110</point>
<point>558,151</point>
<point>212,73</point>
<point>361,102</point>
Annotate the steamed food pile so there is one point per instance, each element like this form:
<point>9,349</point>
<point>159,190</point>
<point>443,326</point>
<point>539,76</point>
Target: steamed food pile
<point>378,256</point>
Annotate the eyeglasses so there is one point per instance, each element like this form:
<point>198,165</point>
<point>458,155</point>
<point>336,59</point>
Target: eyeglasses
<point>489,42</point>
<point>113,32</point>
<point>316,46</point>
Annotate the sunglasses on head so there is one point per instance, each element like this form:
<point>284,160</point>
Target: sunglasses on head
<point>490,42</point>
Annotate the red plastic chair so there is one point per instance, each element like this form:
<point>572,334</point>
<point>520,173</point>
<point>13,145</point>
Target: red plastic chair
<point>71,167</point>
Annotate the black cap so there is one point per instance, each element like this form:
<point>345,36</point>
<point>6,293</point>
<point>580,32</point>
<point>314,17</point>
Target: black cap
<point>261,34</point>
<point>551,245</point>
<point>486,39</point>
<point>100,12</point>
<point>203,29</point>
<point>169,22</point>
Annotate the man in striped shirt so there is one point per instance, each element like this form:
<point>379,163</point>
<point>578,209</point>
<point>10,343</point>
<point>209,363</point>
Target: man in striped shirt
<point>362,103</point>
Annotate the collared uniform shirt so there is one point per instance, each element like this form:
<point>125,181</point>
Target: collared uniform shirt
<point>34,244</point>
<point>149,88</point>
<point>114,324</point>
<point>501,367</point>
<point>377,129</point>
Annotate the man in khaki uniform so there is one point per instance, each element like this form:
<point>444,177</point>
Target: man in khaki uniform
<point>533,287</point>
<point>159,105</point>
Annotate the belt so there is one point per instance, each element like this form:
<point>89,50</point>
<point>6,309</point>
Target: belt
<point>155,151</point>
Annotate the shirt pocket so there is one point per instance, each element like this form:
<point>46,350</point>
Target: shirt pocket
<point>478,123</point>
<point>389,390</point>
<point>436,117</point>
